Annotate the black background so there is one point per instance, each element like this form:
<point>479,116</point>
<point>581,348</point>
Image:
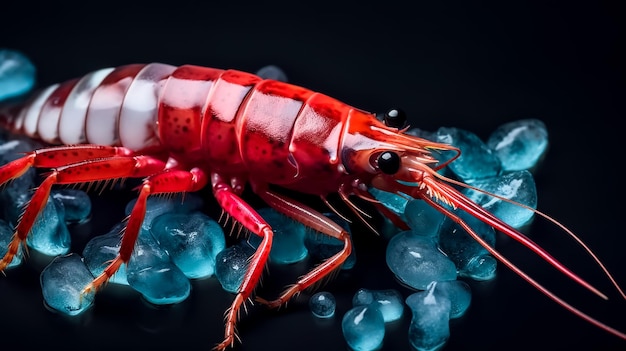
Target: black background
<point>473,67</point>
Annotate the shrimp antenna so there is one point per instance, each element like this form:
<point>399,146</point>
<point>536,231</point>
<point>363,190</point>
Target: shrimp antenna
<point>520,272</point>
<point>568,231</point>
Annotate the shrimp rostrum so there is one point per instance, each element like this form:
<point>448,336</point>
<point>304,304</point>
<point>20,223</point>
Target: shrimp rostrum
<point>180,129</point>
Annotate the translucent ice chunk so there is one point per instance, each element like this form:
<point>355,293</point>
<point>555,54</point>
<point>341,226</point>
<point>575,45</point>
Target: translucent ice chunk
<point>363,328</point>
<point>518,186</point>
<point>17,74</point>
<point>49,234</point>
<point>416,261</point>
<point>6,234</point>
<point>430,325</point>
<point>422,218</point>
<point>476,161</point>
<point>151,272</point>
<point>192,241</point>
<point>62,282</point>
<point>76,203</point>
<point>322,304</point>
<point>471,259</point>
<point>101,249</point>
<point>15,195</point>
<point>322,246</point>
<point>231,264</point>
<point>288,242</point>
<point>389,302</point>
<point>519,144</point>
<point>459,294</point>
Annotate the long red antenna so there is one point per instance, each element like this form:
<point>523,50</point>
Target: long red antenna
<point>450,194</point>
<point>553,221</point>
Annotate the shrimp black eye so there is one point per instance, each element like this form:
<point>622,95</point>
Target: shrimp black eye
<point>395,118</point>
<point>389,162</point>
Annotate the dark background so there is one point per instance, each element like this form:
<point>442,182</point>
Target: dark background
<point>473,67</point>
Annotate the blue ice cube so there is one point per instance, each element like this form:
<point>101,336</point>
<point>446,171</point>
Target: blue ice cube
<point>322,304</point>
<point>101,249</point>
<point>322,246</point>
<point>363,328</point>
<point>519,144</point>
<point>518,186</point>
<point>49,234</point>
<point>62,282</point>
<point>192,241</point>
<point>288,241</point>
<point>416,260</point>
<point>76,203</point>
<point>430,324</point>
<point>15,195</point>
<point>17,74</point>
<point>231,264</point>
<point>476,160</point>
<point>151,272</point>
<point>388,301</point>
<point>471,259</point>
<point>423,218</point>
<point>458,292</point>
<point>6,234</point>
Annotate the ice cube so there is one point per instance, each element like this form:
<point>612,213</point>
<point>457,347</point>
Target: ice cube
<point>416,260</point>
<point>62,282</point>
<point>192,241</point>
<point>363,328</point>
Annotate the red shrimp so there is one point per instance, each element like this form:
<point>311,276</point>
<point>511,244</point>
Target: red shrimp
<point>184,128</point>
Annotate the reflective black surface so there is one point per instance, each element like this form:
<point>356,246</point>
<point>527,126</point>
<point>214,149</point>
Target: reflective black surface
<point>473,68</point>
